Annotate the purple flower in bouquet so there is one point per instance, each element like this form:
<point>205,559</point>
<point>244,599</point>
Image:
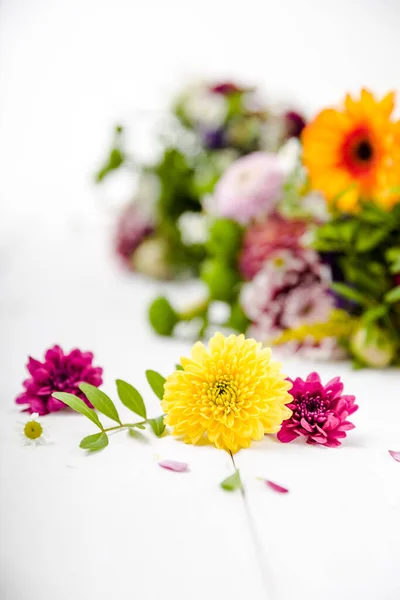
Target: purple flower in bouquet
<point>214,139</point>
<point>249,188</point>
<point>294,124</point>
<point>59,372</point>
<point>290,290</point>
<point>263,239</point>
<point>132,228</point>
<point>319,412</point>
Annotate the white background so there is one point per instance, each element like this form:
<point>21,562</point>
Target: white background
<point>115,525</point>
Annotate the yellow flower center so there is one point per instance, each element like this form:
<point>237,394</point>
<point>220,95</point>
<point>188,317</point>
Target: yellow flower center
<point>223,396</point>
<point>33,430</point>
<point>279,262</point>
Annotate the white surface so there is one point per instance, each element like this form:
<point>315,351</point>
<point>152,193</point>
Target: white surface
<point>114,525</point>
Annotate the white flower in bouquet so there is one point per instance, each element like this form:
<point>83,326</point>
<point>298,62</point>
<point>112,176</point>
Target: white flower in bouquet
<point>193,228</point>
<point>202,106</point>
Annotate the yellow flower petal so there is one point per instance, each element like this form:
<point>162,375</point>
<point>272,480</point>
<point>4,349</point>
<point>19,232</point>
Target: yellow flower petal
<point>229,393</point>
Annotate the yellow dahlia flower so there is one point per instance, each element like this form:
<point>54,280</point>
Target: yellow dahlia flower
<point>231,393</point>
<point>353,154</point>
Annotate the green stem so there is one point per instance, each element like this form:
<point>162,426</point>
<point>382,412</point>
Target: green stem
<point>123,425</point>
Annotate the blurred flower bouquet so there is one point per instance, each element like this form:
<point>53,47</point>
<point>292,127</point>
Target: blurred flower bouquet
<point>295,228</point>
<point>161,233</point>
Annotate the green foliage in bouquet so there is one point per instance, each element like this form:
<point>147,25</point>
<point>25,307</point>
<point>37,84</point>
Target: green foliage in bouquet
<point>365,251</point>
<point>220,273</point>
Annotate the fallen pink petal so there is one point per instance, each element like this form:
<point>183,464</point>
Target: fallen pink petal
<point>276,487</point>
<point>173,465</point>
<point>395,454</point>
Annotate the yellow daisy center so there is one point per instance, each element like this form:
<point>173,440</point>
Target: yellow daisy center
<point>33,430</point>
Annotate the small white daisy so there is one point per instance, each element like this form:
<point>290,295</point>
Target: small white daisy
<point>31,431</point>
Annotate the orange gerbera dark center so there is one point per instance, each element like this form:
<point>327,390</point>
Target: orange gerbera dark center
<point>359,152</point>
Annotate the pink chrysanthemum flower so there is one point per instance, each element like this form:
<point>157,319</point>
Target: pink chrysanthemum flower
<point>290,290</point>
<point>320,412</point>
<point>262,239</point>
<point>132,228</point>
<point>58,372</point>
<point>249,188</point>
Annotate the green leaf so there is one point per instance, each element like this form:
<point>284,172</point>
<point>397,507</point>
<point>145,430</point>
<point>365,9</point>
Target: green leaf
<point>77,404</point>
<point>131,398</point>
<point>368,278</point>
<point>369,237</point>
<point>393,253</point>
<point>232,483</point>
<point>157,425</point>
<point>372,213</point>
<point>115,159</point>
<point>101,401</point>
<point>156,382</point>
<point>393,296</point>
<point>395,267</point>
<point>350,293</point>
<point>98,441</point>
<point>393,256</point>
<point>375,313</point>
<point>178,367</point>
<point>358,365</point>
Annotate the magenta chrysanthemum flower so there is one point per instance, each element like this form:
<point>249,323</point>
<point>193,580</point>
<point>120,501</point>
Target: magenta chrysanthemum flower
<point>320,412</point>
<point>262,239</point>
<point>290,290</point>
<point>132,228</point>
<point>58,373</point>
<point>249,188</point>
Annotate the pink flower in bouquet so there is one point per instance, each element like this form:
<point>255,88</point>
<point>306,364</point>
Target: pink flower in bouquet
<point>262,239</point>
<point>319,412</point>
<point>132,228</point>
<point>58,372</point>
<point>249,188</point>
<point>290,290</point>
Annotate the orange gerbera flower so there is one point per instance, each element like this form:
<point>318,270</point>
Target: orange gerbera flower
<point>353,154</point>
